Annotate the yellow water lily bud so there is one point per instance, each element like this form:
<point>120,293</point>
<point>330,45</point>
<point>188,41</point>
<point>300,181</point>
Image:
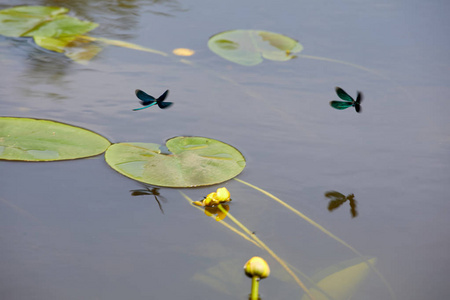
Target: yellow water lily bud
<point>210,199</point>
<point>223,195</point>
<point>183,52</point>
<point>258,267</point>
<point>199,203</point>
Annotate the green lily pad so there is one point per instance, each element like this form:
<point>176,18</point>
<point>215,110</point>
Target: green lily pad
<point>61,31</point>
<point>250,47</point>
<point>50,28</point>
<point>53,30</point>
<point>44,140</point>
<point>18,21</point>
<point>193,161</point>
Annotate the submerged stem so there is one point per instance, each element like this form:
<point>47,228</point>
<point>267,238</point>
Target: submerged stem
<point>301,215</point>
<point>321,228</point>
<point>254,240</point>
<point>122,44</point>
<point>379,74</point>
<point>276,257</point>
<point>222,222</point>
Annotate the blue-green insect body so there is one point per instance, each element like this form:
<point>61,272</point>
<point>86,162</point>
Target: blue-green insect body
<point>348,100</point>
<point>148,100</point>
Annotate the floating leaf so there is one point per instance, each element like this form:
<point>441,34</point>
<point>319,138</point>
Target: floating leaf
<point>53,30</point>
<point>340,281</point>
<point>50,28</point>
<point>249,47</point>
<point>18,21</point>
<point>44,140</point>
<point>62,30</point>
<point>194,161</point>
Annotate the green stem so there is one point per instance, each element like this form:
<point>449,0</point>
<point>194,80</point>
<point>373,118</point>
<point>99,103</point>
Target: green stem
<point>321,228</point>
<point>221,222</point>
<point>255,288</point>
<point>379,74</point>
<point>265,247</point>
<point>256,241</point>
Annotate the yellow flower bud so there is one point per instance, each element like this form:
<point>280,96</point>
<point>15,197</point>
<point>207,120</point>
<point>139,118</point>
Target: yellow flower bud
<point>223,195</point>
<point>210,199</point>
<point>183,52</point>
<point>258,267</point>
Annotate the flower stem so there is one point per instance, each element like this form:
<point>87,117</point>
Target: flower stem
<point>255,288</point>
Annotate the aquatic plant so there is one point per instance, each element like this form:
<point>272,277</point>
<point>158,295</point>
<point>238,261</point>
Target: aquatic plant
<point>26,139</point>
<point>192,161</point>
<point>256,268</point>
<point>52,29</point>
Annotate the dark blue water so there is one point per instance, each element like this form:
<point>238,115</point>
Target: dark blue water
<point>72,230</point>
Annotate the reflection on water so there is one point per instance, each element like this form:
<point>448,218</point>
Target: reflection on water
<point>45,67</point>
<point>337,199</point>
<point>216,211</point>
<point>147,191</point>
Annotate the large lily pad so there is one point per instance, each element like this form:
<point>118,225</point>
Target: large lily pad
<point>44,140</point>
<point>193,161</point>
<point>250,47</point>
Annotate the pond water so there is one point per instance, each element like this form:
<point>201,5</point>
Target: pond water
<point>73,229</point>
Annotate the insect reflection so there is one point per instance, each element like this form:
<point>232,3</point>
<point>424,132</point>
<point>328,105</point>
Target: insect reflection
<point>147,191</point>
<point>337,199</point>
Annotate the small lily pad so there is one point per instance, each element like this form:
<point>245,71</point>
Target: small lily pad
<point>250,47</point>
<point>193,161</point>
<point>27,139</point>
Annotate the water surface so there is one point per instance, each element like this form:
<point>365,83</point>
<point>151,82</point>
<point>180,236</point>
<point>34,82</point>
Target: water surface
<point>72,230</point>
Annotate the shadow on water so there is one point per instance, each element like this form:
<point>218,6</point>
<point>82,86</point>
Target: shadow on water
<point>337,199</point>
<point>150,191</point>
